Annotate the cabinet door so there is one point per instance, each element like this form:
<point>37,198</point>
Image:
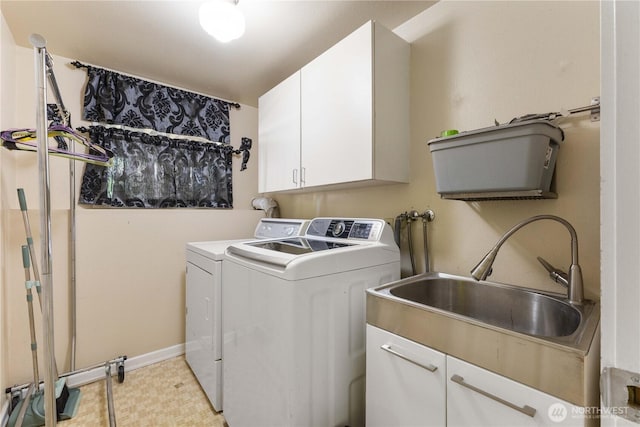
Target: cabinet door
<point>279,137</point>
<point>401,388</point>
<point>476,396</point>
<point>337,109</point>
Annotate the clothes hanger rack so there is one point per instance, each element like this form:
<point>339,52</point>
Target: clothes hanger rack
<point>66,137</point>
<point>61,131</point>
<point>22,139</point>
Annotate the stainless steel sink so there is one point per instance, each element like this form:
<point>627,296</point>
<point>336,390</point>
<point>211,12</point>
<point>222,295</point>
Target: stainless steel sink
<point>533,337</point>
<point>502,306</point>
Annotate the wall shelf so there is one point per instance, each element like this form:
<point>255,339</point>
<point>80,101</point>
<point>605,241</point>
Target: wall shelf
<point>501,195</point>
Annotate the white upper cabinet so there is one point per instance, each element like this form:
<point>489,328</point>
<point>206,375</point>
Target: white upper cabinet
<point>337,121</point>
<point>279,137</point>
<point>353,110</point>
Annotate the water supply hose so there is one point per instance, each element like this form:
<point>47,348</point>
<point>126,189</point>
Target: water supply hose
<point>410,239</point>
<point>409,217</point>
<point>426,245</point>
<point>427,216</point>
<point>396,229</point>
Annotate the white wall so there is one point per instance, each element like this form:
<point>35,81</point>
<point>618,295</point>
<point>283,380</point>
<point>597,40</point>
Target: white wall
<point>6,116</point>
<point>473,62</point>
<point>130,263</point>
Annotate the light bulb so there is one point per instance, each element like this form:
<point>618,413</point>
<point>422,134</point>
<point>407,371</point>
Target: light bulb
<point>222,19</point>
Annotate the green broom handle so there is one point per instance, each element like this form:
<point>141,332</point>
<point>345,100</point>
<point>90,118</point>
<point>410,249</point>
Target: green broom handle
<point>22,200</point>
<point>25,257</point>
<point>32,252</point>
<point>32,330</point>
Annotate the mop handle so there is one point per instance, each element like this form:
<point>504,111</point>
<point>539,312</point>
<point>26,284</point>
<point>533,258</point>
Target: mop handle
<point>22,200</point>
<point>25,261</point>
<point>25,404</point>
<point>27,272</point>
<point>32,252</point>
<point>32,329</point>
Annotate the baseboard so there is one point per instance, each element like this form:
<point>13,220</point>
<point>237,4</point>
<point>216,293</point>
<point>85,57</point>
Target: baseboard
<point>95,374</point>
<point>131,364</point>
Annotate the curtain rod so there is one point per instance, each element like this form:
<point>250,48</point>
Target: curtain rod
<point>152,132</point>
<point>79,64</point>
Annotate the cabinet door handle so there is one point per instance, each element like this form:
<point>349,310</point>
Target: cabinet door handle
<point>303,176</point>
<point>526,409</point>
<point>295,176</point>
<point>429,367</point>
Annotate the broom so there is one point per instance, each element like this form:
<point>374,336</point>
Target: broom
<point>66,400</point>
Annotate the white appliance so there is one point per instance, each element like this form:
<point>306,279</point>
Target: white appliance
<point>294,323</point>
<point>203,302</point>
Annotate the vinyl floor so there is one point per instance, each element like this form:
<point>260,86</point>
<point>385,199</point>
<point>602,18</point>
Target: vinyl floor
<point>165,394</point>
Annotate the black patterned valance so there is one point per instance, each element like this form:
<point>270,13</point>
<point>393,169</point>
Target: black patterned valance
<point>115,98</point>
<point>152,171</point>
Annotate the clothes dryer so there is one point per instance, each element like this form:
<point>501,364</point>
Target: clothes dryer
<point>203,324</point>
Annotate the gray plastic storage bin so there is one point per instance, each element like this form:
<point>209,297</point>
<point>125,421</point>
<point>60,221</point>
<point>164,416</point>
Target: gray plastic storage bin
<point>507,161</point>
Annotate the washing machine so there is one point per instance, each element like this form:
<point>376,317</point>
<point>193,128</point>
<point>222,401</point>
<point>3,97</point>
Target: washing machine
<point>203,342</point>
<point>294,323</point>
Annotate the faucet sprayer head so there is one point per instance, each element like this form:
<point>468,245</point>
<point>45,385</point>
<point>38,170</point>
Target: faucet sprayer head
<point>483,269</point>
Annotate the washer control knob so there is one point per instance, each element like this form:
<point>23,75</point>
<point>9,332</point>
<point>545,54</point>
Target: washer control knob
<point>338,229</point>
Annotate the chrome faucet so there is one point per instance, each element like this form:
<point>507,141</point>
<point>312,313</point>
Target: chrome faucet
<point>573,280</point>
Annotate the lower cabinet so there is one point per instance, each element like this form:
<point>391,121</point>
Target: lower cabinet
<point>476,397</point>
<point>405,382</point>
<point>409,384</point>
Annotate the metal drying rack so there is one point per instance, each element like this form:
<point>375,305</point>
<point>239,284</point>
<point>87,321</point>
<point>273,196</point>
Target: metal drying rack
<point>44,72</point>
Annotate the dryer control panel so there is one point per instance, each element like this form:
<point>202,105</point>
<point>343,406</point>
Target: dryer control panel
<point>269,228</point>
<point>347,228</point>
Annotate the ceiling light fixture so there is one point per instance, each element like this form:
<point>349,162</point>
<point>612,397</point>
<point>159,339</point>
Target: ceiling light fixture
<point>222,19</point>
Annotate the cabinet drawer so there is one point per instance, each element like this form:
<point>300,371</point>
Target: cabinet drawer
<point>476,396</point>
<point>405,382</point>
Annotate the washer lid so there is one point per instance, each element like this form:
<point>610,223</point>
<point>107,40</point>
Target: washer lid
<point>299,245</point>
<point>335,257</point>
<point>282,252</point>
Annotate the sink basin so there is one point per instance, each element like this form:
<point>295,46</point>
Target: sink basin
<point>505,307</point>
<point>532,337</point>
